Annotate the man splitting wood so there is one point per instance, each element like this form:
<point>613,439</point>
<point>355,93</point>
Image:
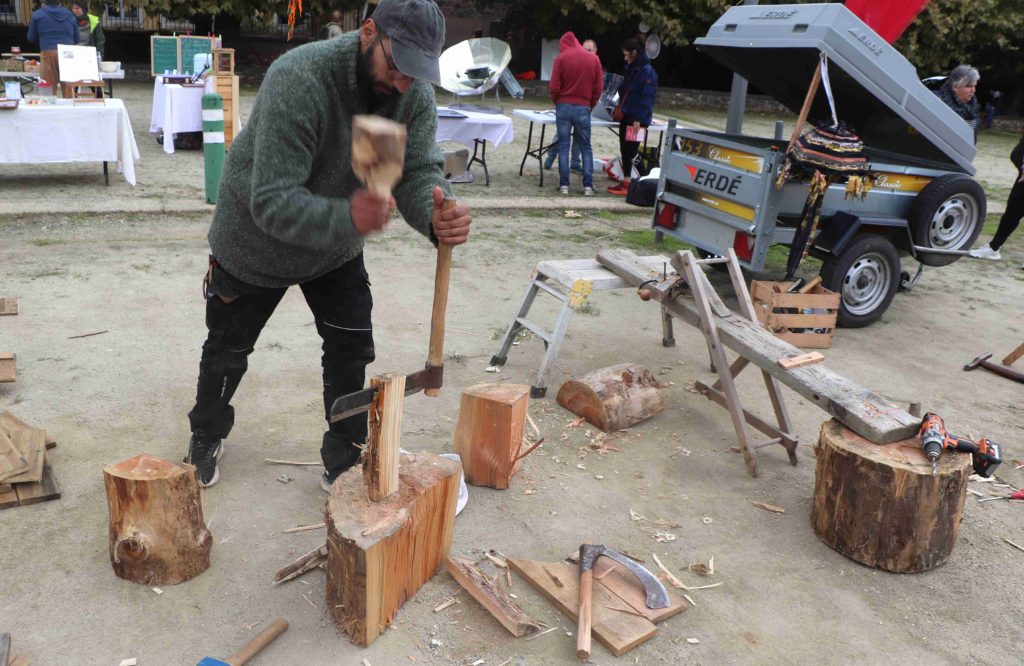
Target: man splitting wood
<point>290,211</point>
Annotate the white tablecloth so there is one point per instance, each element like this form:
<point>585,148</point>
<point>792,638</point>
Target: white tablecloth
<point>494,128</point>
<point>176,109</point>
<point>548,118</point>
<point>50,133</point>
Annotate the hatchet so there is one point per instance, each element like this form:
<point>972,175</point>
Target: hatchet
<point>251,649</point>
<point>657,595</point>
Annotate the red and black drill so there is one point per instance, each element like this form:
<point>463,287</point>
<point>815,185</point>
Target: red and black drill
<point>985,454</point>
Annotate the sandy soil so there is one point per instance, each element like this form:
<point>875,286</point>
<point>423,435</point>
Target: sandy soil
<point>786,597</point>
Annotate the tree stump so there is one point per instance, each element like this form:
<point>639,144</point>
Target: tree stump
<point>157,532</point>
<point>613,398</point>
<point>489,432</point>
<point>380,553</point>
<point>880,504</point>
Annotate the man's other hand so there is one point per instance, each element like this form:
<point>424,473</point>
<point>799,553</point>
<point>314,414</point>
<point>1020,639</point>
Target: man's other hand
<point>450,226</point>
<point>369,211</point>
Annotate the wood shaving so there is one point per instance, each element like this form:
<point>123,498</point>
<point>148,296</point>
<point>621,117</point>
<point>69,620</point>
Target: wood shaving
<point>546,631</point>
<point>497,561</point>
<point>450,602</point>
<point>663,537</point>
<point>769,507</point>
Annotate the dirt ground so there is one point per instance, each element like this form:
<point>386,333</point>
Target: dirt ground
<point>129,262</point>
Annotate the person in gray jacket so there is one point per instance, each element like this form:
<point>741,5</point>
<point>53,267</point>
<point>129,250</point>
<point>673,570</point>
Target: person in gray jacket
<point>290,211</point>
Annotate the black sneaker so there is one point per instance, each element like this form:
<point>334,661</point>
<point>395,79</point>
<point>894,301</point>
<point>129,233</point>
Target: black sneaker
<point>327,480</point>
<point>204,456</point>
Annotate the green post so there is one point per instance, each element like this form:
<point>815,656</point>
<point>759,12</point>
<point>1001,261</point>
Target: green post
<point>213,143</point>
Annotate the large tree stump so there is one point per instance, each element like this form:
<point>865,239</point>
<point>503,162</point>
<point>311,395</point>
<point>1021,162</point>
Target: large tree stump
<point>489,432</point>
<point>880,504</point>
<point>157,532</point>
<point>613,398</point>
<point>380,553</point>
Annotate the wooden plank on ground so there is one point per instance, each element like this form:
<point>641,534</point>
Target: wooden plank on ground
<point>31,444</point>
<point>9,422</point>
<point>493,598</point>
<point>12,463</point>
<point>8,306</point>
<point>615,624</point>
<point>623,584</point>
<point>1014,355</point>
<point>8,371</point>
<point>41,491</point>
<point>8,496</point>
<point>861,410</point>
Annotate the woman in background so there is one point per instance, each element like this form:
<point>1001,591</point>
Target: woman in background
<point>90,32</point>
<point>636,103</point>
<point>958,94</point>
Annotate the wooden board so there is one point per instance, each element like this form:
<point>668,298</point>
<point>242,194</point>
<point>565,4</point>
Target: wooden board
<point>8,369</point>
<point>8,306</point>
<point>31,444</point>
<point>791,362</point>
<point>860,409</point>
<point>41,491</point>
<point>12,463</point>
<point>623,584</point>
<point>8,497</point>
<point>489,595</point>
<point>618,630</point>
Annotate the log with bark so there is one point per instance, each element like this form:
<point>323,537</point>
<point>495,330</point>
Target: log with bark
<point>489,432</point>
<point>157,532</point>
<point>880,504</point>
<point>613,398</point>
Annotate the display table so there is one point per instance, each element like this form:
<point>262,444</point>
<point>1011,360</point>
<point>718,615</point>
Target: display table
<point>545,118</point>
<point>176,109</point>
<point>475,130</point>
<point>52,133</point>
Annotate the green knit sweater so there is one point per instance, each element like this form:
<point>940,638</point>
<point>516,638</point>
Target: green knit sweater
<point>282,215</point>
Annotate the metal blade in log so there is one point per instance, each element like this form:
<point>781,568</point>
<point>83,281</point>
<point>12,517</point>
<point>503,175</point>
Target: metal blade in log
<point>378,152</point>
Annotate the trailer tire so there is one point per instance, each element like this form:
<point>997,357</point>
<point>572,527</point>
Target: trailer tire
<point>948,214</point>
<point>866,276</point>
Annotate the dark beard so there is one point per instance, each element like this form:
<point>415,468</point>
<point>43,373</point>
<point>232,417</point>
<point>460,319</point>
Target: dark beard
<point>374,99</point>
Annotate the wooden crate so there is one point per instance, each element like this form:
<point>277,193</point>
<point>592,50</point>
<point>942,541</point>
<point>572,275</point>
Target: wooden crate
<point>787,316</point>
<point>223,61</point>
<point>226,85</point>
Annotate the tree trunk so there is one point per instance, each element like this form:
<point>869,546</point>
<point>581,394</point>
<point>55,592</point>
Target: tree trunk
<point>613,398</point>
<point>157,533</point>
<point>880,504</point>
<point>489,432</point>
<point>380,553</point>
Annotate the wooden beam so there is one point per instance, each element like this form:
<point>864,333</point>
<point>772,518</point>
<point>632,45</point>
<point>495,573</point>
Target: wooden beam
<point>496,600</point>
<point>380,464</point>
<point>860,409</point>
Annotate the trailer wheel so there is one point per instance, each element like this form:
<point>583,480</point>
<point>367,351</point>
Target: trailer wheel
<point>865,276</point>
<point>948,214</point>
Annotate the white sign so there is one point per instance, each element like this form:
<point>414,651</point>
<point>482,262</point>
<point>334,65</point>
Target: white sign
<point>77,63</point>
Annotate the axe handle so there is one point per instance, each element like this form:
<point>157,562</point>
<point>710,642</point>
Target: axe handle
<point>435,354</point>
<point>586,604</point>
<point>262,640</point>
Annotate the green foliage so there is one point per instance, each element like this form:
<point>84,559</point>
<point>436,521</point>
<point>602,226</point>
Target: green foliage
<point>238,8</point>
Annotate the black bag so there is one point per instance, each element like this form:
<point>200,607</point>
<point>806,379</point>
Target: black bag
<point>188,141</point>
<point>642,192</point>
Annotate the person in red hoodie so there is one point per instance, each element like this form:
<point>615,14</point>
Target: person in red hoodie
<point>576,82</point>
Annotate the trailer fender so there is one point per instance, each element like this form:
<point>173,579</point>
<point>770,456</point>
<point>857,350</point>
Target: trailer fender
<point>844,228</point>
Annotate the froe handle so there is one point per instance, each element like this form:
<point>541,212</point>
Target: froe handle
<point>586,603</point>
<point>435,353</point>
<point>262,640</point>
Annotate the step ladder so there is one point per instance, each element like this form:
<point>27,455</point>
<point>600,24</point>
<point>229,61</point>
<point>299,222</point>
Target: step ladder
<point>570,281</point>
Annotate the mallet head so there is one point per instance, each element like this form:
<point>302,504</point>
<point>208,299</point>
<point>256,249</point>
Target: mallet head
<point>978,361</point>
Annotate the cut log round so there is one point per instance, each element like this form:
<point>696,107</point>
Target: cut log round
<point>613,398</point>
<point>489,432</point>
<point>880,504</point>
<point>157,532</point>
<point>380,553</point>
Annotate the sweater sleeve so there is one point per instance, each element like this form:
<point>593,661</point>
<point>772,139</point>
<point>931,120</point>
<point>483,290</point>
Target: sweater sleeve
<point>284,147</point>
<point>595,95</point>
<point>424,163</point>
<point>555,85</point>
<point>99,39</point>
<point>33,33</point>
<point>648,94</point>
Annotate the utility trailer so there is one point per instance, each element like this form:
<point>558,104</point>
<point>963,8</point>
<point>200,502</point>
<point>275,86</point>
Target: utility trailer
<point>718,190</point>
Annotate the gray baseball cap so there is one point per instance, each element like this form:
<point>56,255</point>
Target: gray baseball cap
<point>416,29</point>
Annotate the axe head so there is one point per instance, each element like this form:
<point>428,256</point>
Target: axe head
<point>976,362</point>
<point>657,595</point>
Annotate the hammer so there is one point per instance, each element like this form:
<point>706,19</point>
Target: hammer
<point>252,648</point>
<point>995,367</point>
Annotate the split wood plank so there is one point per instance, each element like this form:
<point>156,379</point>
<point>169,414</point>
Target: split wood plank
<point>801,360</point>
<point>619,632</point>
<point>859,408</point>
<point>12,463</point>
<point>41,491</point>
<point>496,600</point>
<point>8,306</point>
<point>1014,355</point>
<point>31,444</point>
<point>8,370</point>
<point>380,458</point>
<point>621,582</point>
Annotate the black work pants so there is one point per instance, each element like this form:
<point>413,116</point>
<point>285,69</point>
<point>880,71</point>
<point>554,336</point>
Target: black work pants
<point>627,149</point>
<point>236,312</point>
<point>1011,217</point>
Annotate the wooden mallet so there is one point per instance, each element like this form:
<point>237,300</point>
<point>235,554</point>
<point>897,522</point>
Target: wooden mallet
<point>252,648</point>
<point>378,152</point>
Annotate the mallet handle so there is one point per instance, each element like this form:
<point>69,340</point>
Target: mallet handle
<point>586,604</point>
<point>435,354</point>
<point>262,640</point>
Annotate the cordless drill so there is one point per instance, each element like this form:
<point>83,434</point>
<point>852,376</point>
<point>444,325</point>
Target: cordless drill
<point>934,438</point>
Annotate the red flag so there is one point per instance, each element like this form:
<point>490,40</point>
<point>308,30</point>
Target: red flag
<point>889,18</point>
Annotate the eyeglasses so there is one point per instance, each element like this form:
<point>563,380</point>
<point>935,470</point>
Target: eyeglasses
<point>393,70</point>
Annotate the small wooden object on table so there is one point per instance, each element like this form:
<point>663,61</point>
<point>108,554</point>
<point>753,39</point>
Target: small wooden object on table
<point>803,319</point>
<point>489,432</point>
<point>613,398</point>
<point>223,61</point>
<point>880,504</point>
<point>74,90</point>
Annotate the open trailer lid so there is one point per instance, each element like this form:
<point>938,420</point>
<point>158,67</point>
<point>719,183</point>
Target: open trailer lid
<point>776,47</point>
